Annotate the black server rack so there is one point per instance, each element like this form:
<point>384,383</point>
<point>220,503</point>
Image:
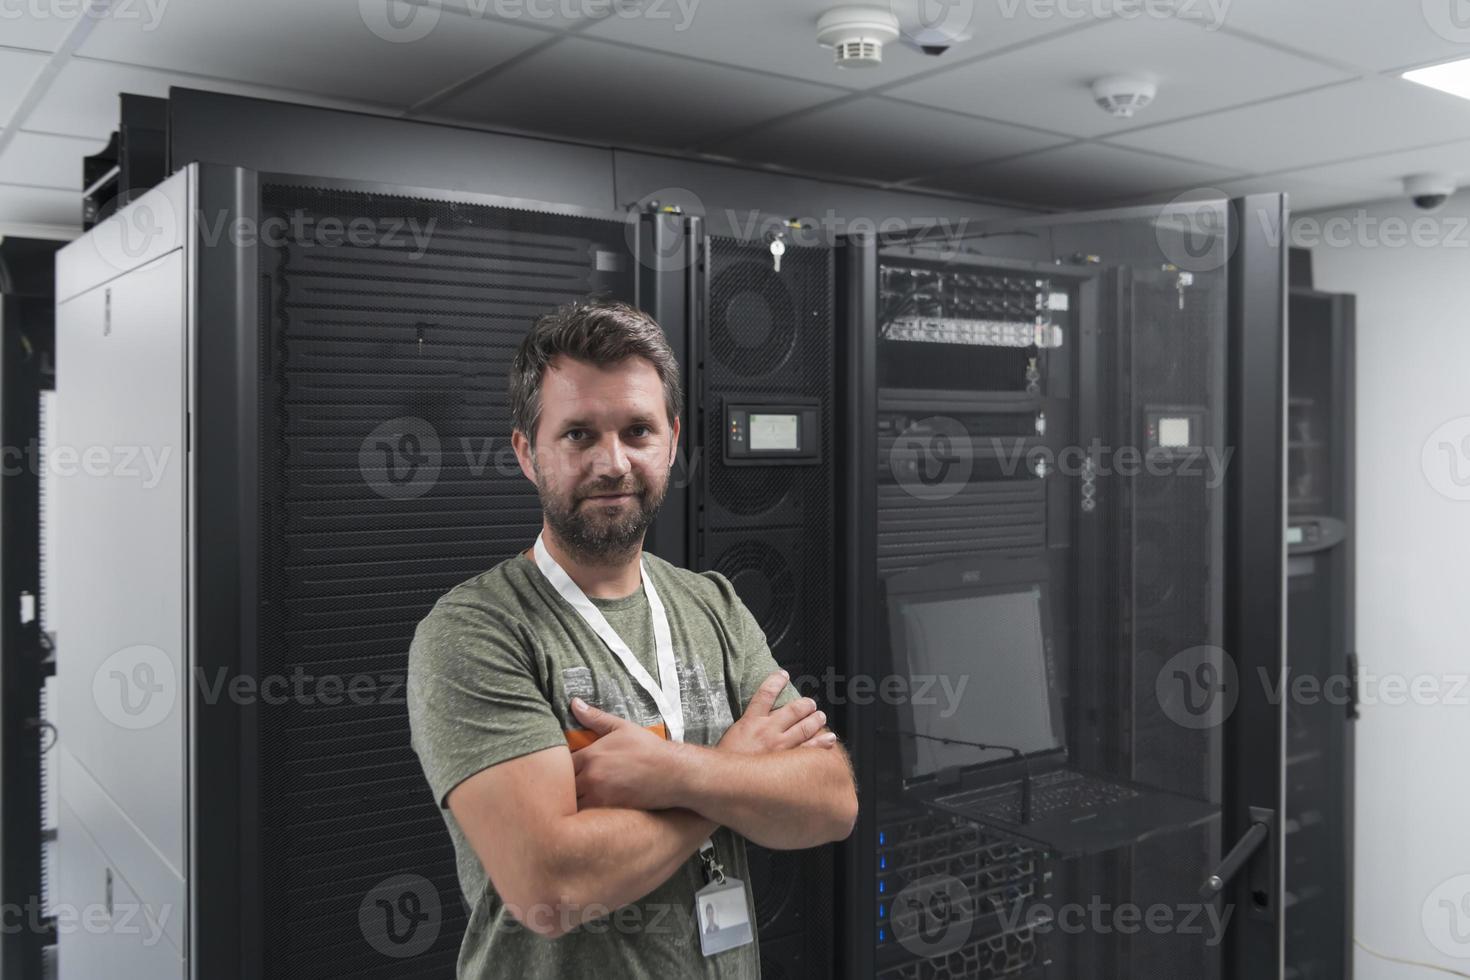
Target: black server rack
<point>134,159</point>
<point>350,474</point>
<point>27,657</point>
<point>1320,644</point>
<point>970,369</point>
<point>766,344</point>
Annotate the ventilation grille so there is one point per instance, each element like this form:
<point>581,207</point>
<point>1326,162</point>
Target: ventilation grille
<point>769,329</point>
<point>766,583</point>
<point>1003,519</point>
<point>860,51</point>
<point>386,480</point>
<point>1124,105</point>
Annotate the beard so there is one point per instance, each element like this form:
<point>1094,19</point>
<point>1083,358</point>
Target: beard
<point>589,531</point>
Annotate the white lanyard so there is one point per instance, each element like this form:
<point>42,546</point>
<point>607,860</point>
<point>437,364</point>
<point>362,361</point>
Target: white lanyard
<point>667,696</point>
<point>666,693</point>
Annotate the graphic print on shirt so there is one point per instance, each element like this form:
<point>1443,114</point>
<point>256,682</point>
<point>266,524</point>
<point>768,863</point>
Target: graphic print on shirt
<point>706,708</point>
<point>608,694</point>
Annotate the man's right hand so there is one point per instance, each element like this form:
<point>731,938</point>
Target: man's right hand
<point>795,725</point>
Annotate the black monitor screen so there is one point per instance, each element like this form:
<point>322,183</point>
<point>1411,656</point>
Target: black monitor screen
<point>987,656</point>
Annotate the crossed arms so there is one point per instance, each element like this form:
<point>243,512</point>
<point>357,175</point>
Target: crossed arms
<point>567,837</point>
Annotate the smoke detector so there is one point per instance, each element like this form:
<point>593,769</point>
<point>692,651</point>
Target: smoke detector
<point>856,35</point>
<point>1123,95</point>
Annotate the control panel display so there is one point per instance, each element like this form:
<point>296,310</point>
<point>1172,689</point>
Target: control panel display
<point>768,431</point>
<point>1174,429</point>
<point>1174,433</point>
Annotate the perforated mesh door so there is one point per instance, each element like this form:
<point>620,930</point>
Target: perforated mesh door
<point>387,479</point>
<point>769,335</point>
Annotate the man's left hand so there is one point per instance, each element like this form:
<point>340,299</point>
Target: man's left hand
<point>628,766</point>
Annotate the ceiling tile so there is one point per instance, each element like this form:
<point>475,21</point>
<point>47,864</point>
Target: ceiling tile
<point>546,15</point>
<point>83,100</point>
<point>1354,119</point>
<point>1376,35</point>
<point>608,92</point>
<point>881,139</point>
<point>1374,178</point>
<point>330,47</point>
<point>17,69</point>
<point>36,206</point>
<point>1384,174</point>
<point>1048,85</point>
<point>46,161</point>
<point>35,26</point>
<point>1078,175</point>
<point>781,37</point>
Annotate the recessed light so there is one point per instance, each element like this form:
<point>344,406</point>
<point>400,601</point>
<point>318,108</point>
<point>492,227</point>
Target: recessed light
<point>1452,77</point>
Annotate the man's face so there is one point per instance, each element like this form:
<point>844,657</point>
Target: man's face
<point>604,449</point>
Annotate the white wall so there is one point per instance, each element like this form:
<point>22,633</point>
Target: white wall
<point>1411,274</point>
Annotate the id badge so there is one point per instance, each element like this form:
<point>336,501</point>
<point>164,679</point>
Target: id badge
<point>723,916</point>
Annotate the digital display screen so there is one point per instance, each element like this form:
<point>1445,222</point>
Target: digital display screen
<point>774,432</point>
<point>1294,535</point>
<point>1174,433</point>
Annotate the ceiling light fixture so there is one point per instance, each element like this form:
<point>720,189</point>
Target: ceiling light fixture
<point>1452,77</point>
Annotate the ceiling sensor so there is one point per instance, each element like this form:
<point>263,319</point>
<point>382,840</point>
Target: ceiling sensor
<point>1430,191</point>
<point>933,40</point>
<point>930,27</point>
<point>856,35</point>
<point>1123,95</point>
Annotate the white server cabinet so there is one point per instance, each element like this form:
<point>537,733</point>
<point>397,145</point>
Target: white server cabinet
<point>120,465</point>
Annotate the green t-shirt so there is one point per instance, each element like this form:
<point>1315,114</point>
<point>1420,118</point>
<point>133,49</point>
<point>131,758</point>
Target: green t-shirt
<point>492,671</point>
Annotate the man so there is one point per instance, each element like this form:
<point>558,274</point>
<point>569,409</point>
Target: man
<point>574,707</point>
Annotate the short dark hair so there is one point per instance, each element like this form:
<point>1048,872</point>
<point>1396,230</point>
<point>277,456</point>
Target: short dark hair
<point>596,331</point>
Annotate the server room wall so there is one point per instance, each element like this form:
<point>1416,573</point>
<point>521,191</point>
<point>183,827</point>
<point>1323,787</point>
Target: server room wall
<point>1413,521</point>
